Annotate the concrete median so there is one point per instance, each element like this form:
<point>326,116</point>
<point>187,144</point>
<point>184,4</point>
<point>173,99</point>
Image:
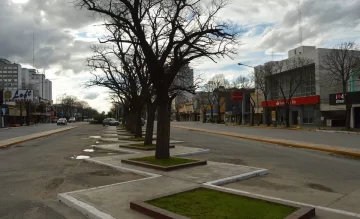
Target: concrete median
<point>13,141</point>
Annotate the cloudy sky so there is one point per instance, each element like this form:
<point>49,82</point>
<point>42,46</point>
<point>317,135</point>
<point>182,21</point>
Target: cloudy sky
<point>63,35</point>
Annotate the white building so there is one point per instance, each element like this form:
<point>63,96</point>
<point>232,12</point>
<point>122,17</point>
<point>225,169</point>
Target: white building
<point>32,80</point>
<point>310,103</point>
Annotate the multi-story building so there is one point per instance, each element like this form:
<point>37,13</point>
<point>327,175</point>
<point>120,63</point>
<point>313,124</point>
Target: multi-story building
<point>310,101</point>
<point>42,87</point>
<point>10,75</point>
<point>13,77</point>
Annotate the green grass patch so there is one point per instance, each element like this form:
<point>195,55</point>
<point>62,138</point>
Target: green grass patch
<point>164,162</point>
<point>211,204</point>
<point>144,146</point>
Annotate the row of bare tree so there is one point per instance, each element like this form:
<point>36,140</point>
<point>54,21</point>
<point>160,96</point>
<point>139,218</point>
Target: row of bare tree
<point>147,45</point>
<point>69,104</point>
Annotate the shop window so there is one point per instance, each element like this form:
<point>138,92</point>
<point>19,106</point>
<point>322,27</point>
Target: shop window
<point>308,116</point>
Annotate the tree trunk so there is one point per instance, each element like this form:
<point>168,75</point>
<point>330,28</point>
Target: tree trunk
<point>132,122</point>
<point>348,108</point>
<point>219,114</point>
<point>348,116</point>
<point>150,124</point>
<point>177,115</point>
<point>163,128</point>
<point>252,116</point>
<point>204,116</point>
<point>138,125</point>
<point>212,114</point>
<point>287,114</point>
<point>125,114</point>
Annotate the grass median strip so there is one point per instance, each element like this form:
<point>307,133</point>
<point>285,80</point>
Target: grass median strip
<point>164,162</point>
<point>211,204</point>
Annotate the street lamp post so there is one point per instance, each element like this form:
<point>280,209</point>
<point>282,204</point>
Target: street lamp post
<point>256,88</point>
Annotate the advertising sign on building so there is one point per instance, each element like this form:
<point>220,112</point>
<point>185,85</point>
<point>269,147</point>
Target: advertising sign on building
<point>339,98</point>
<point>18,95</point>
<point>236,95</point>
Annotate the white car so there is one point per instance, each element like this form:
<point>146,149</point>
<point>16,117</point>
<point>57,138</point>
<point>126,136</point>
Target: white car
<point>61,121</point>
<point>72,120</point>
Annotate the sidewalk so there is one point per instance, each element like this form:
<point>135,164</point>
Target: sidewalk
<point>113,201</point>
<point>17,140</point>
<point>284,138</point>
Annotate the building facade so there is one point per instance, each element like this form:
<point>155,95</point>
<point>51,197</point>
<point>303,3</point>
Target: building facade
<point>310,104</point>
<point>13,77</point>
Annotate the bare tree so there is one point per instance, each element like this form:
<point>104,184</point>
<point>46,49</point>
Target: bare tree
<point>180,100</point>
<point>261,78</point>
<point>172,34</point>
<point>201,100</point>
<point>68,104</point>
<point>217,85</point>
<point>339,64</point>
<point>242,82</point>
<point>293,73</point>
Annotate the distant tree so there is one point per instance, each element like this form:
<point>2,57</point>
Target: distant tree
<point>339,64</point>
<point>68,104</point>
<point>262,83</point>
<point>216,87</point>
<point>202,102</point>
<point>242,82</point>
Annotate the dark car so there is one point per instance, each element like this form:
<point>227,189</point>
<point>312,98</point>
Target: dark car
<point>110,122</point>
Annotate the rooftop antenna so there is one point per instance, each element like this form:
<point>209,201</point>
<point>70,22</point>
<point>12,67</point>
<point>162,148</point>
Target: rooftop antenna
<point>300,27</point>
<point>34,50</point>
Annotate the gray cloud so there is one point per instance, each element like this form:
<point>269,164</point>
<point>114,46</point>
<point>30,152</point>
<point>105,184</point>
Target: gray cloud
<point>321,22</point>
<point>51,22</point>
<point>91,96</point>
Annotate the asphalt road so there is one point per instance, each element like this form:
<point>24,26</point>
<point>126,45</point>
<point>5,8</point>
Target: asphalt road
<point>33,173</point>
<point>295,174</point>
<point>334,139</point>
<point>27,130</point>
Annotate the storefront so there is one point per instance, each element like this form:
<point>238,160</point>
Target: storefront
<point>353,98</point>
<point>303,110</point>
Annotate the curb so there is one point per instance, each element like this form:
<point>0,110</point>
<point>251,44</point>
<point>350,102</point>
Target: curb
<point>240,177</point>
<point>282,143</point>
<point>35,137</point>
<point>204,151</point>
<point>86,209</point>
<point>335,131</point>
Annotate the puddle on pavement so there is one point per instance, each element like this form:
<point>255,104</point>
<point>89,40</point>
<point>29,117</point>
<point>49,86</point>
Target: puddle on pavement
<point>89,150</point>
<point>103,152</point>
<point>80,157</point>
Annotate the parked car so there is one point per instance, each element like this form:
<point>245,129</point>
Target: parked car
<point>61,121</point>
<point>72,120</point>
<point>110,122</point>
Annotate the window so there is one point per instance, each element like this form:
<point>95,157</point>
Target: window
<point>15,67</point>
<point>308,115</point>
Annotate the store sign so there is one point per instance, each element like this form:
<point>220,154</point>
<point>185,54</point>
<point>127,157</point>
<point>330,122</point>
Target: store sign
<point>294,101</point>
<point>18,95</point>
<point>236,95</point>
<point>339,98</point>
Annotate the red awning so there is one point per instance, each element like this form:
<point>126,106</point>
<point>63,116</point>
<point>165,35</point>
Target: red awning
<point>294,101</point>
